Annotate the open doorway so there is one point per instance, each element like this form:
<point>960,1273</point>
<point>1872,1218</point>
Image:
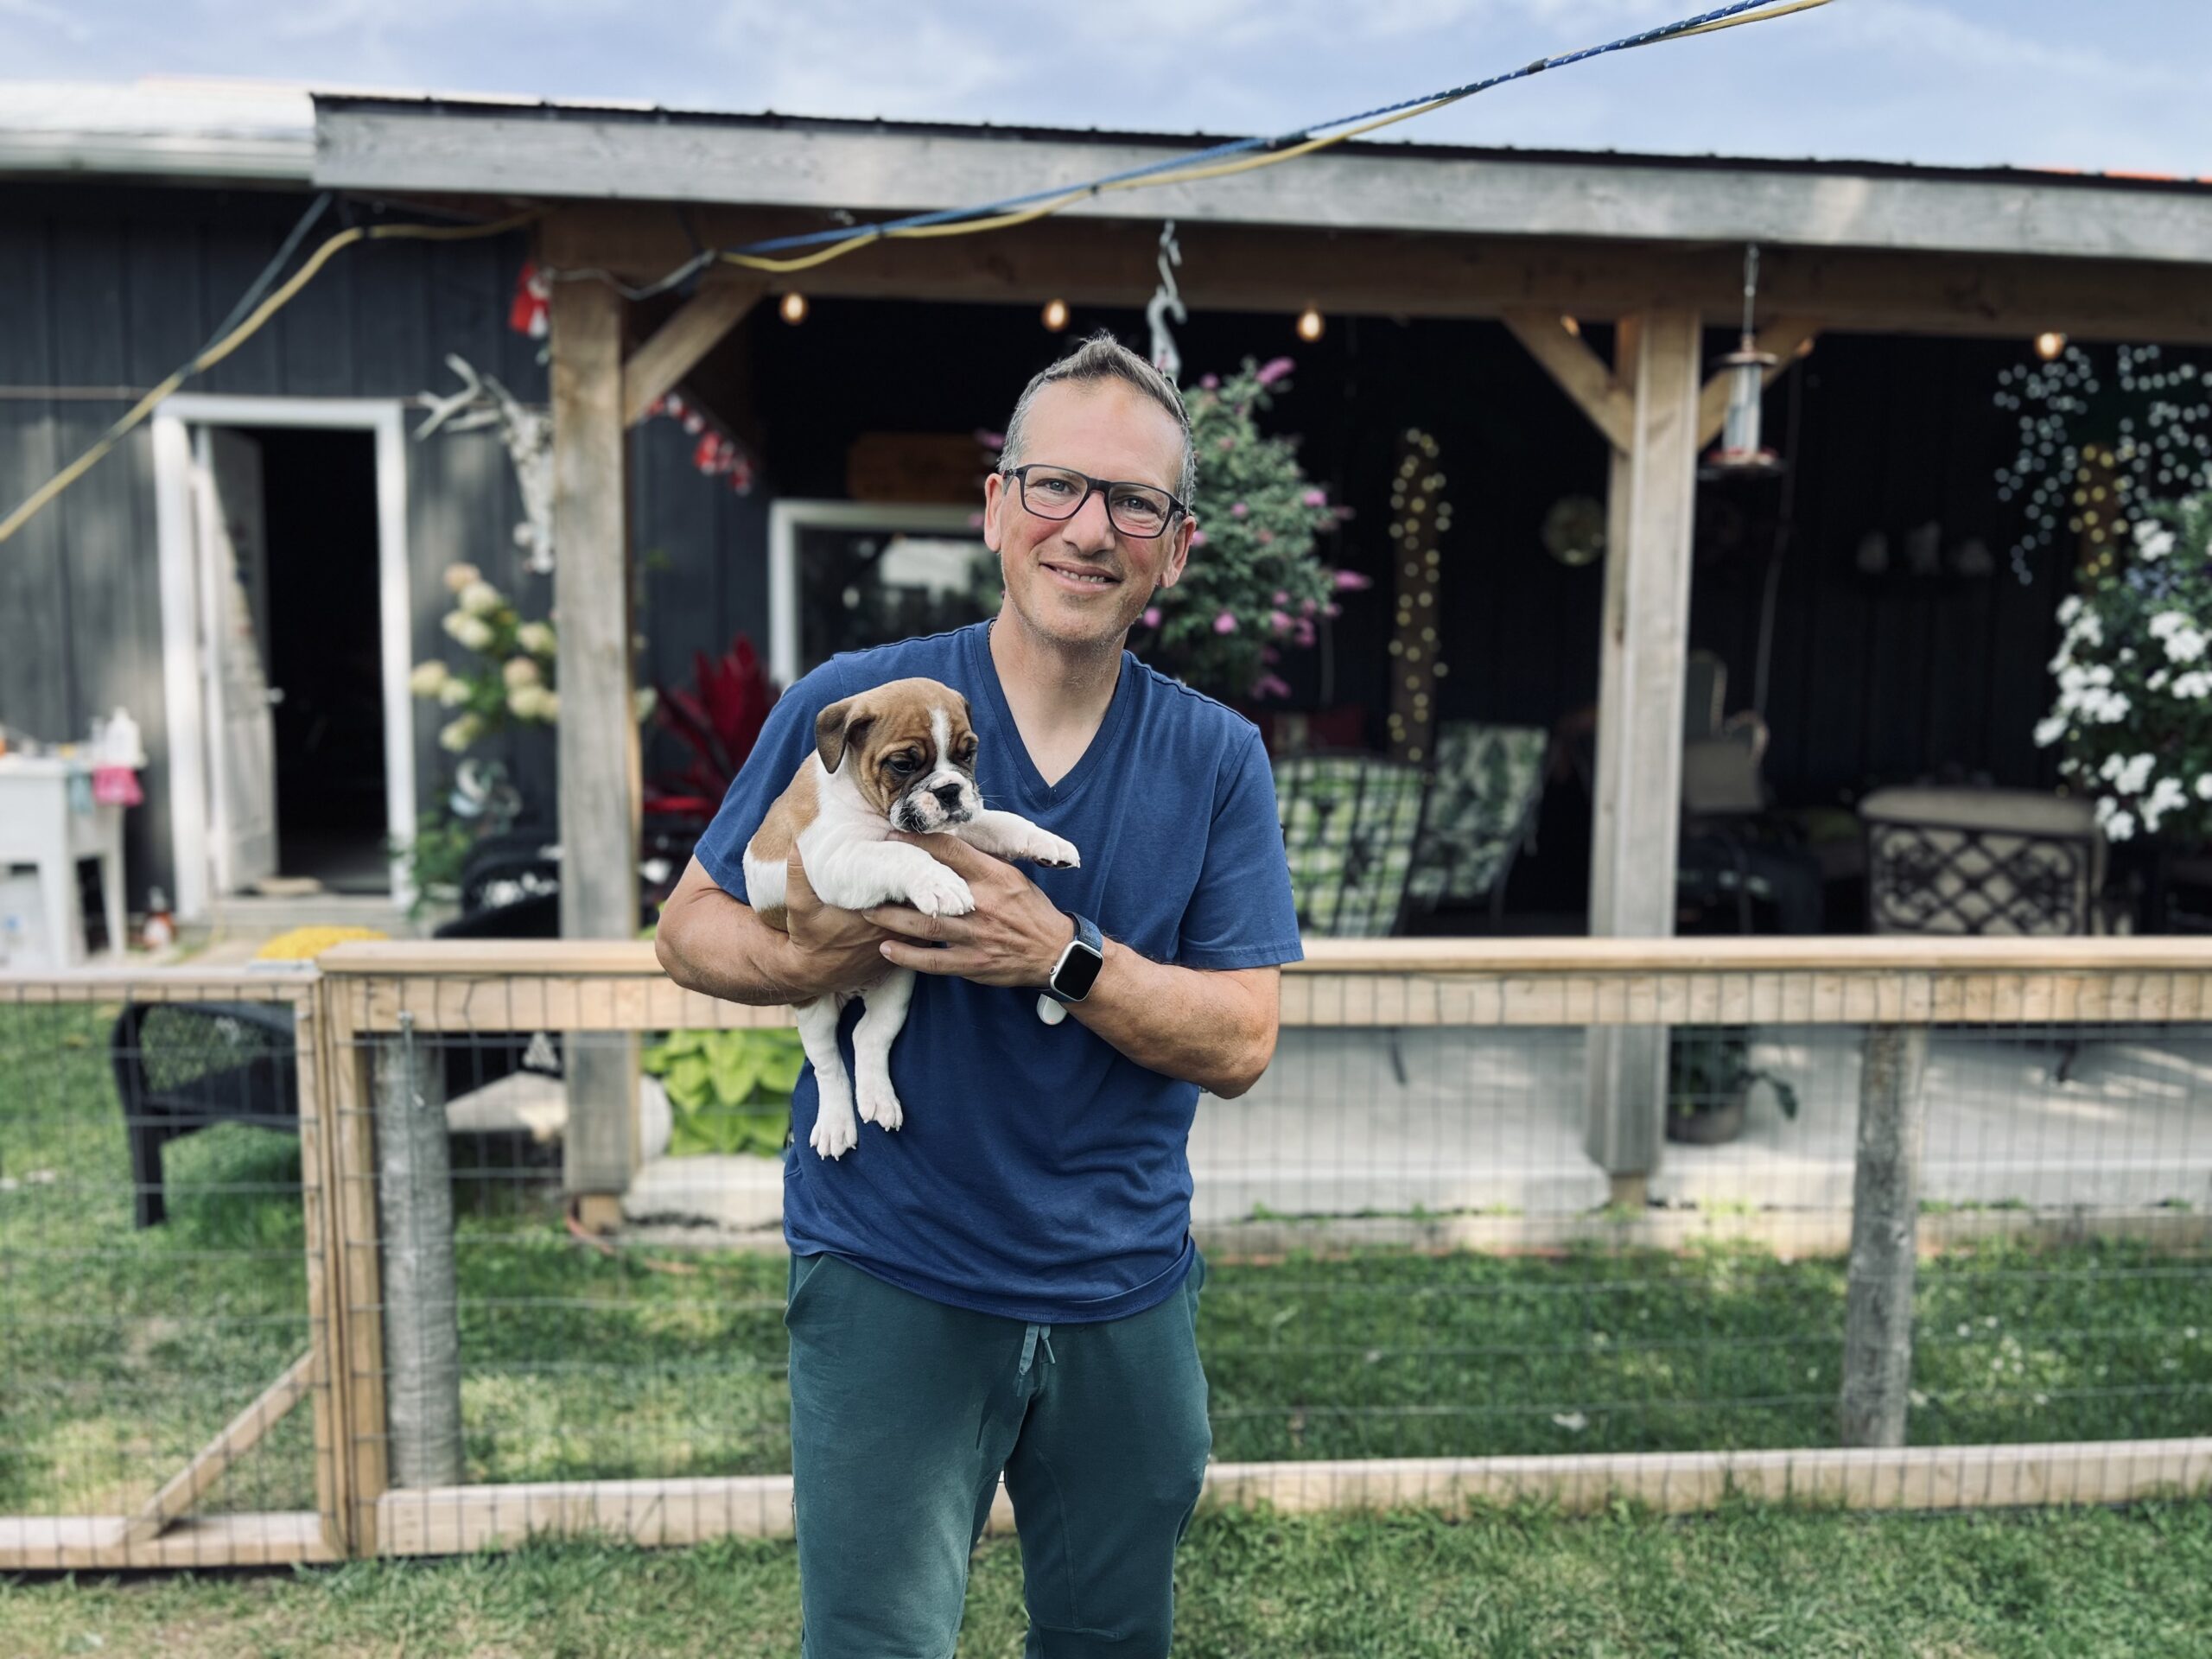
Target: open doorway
<point>318,499</point>
<point>286,639</point>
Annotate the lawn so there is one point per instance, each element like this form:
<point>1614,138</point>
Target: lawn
<point>1514,1584</point>
<point>124,1350</point>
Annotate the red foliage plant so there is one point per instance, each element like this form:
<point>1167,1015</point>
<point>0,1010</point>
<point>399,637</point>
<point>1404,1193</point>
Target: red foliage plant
<point>718,720</point>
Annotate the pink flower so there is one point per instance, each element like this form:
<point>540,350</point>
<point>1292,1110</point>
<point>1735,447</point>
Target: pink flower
<point>1228,441</point>
<point>1316,498</point>
<point>1268,685</point>
<point>1305,636</point>
<point>1238,509</point>
<point>1274,370</point>
<point>1210,381</point>
<point>1198,538</point>
<point>1225,623</point>
<point>1351,581</point>
<point>1281,598</point>
<point>1263,536</point>
<point>1151,617</point>
<point>1279,621</point>
<point>1332,609</point>
<point>1306,608</point>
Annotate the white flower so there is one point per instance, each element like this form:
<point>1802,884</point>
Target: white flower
<point>2164,798</point>
<point>519,671</point>
<point>428,679</point>
<point>2135,774</point>
<point>473,632</point>
<point>460,734</point>
<point>551,707</point>
<point>458,576</point>
<point>2204,786</point>
<point>2196,682</point>
<point>454,692</point>
<point>478,599</point>
<point>2158,680</point>
<point>2049,731</point>
<point>2121,827</point>
<point>535,638</point>
<point>643,701</point>
<point>2165,622</point>
<point>2153,540</point>
<point>2069,608</point>
<point>527,701</point>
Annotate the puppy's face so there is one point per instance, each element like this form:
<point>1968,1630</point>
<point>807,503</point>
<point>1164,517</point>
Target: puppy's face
<point>911,751</point>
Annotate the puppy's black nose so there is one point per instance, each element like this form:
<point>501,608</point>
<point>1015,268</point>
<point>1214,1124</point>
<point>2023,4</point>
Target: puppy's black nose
<point>947,796</point>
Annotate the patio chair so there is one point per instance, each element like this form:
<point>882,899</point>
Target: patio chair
<point>1348,827</point>
<point>1983,861</point>
<point>182,1066</point>
<point>1477,816</point>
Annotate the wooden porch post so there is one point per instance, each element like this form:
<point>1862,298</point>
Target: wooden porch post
<point>599,790</point>
<point>1639,763</point>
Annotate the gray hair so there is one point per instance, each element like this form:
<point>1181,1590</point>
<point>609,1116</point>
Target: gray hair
<point>1104,357</point>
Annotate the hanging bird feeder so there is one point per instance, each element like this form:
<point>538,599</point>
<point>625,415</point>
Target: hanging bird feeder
<point>1739,453</point>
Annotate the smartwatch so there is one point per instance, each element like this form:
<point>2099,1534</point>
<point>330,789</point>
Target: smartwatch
<point>1076,970</point>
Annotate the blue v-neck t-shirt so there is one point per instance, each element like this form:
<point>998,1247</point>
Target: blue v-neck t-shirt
<point>1040,1174</point>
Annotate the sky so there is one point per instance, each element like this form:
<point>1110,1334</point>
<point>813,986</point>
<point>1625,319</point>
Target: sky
<point>2107,85</point>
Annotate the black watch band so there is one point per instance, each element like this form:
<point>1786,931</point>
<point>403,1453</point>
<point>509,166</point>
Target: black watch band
<point>1076,970</point>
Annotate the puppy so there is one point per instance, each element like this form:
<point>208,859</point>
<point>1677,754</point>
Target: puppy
<point>899,757</point>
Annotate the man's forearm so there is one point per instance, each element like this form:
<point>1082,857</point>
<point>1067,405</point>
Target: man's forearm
<point>717,945</point>
<point>1215,1029</point>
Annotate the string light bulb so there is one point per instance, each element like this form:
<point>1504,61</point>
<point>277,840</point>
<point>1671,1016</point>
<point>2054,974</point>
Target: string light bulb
<point>793,308</point>
<point>1310,325</point>
<point>1056,314</point>
<point>2049,344</point>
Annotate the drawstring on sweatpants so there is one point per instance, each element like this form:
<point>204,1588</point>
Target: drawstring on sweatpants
<point>1030,1337</point>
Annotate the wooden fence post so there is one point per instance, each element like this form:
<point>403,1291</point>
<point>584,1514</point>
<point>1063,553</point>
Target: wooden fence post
<point>422,1320</point>
<point>1884,1221</point>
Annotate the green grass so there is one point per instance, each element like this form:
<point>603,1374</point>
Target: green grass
<point>1514,1584</point>
<point>124,1350</point>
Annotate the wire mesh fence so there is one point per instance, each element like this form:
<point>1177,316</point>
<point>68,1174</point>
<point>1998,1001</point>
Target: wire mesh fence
<point>160,1272</point>
<point>1918,1233</point>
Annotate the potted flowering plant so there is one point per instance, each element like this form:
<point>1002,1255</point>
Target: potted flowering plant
<point>2133,712</point>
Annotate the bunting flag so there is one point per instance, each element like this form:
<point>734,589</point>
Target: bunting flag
<point>715,453</point>
<point>532,312</point>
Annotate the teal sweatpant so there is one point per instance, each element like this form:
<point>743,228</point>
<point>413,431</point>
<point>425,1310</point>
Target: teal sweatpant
<point>904,1412</point>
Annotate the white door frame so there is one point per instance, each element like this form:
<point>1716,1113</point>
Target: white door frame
<point>189,779</point>
<point>787,517</point>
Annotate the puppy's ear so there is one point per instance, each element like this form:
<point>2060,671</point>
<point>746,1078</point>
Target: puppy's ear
<point>836,728</point>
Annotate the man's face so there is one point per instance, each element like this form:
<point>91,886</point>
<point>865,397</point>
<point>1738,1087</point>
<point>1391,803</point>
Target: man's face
<point>1052,568</point>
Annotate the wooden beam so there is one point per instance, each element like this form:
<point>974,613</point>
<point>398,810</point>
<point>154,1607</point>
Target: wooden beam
<point>1783,338</point>
<point>600,788</point>
<point>1579,372</point>
<point>213,1460</point>
<point>657,367</point>
<point>1640,729</point>
<point>1373,273</point>
<point>869,169</point>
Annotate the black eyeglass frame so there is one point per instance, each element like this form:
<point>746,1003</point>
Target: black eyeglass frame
<point>1100,486</point>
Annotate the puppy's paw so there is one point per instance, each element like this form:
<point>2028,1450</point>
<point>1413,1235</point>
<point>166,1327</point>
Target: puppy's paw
<point>938,891</point>
<point>1041,847</point>
<point>879,1101</point>
<point>835,1132</point>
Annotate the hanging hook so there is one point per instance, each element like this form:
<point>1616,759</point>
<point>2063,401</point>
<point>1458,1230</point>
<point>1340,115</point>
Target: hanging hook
<point>1166,301</point>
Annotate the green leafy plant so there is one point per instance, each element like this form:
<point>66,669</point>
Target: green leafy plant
<point>1709,1067</point>
<point>2134,676</point>
<point>729,1091</point>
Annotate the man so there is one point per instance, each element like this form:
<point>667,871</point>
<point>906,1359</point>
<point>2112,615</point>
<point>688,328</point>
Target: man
<point>1007,1282</point>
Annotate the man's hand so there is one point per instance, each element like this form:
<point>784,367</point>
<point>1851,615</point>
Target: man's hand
<point>1014,938</point>
<point>835,949</point>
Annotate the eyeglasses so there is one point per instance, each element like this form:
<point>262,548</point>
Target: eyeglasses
<point>1143,510</point>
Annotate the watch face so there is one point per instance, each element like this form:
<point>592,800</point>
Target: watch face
<point>1078,972</point>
